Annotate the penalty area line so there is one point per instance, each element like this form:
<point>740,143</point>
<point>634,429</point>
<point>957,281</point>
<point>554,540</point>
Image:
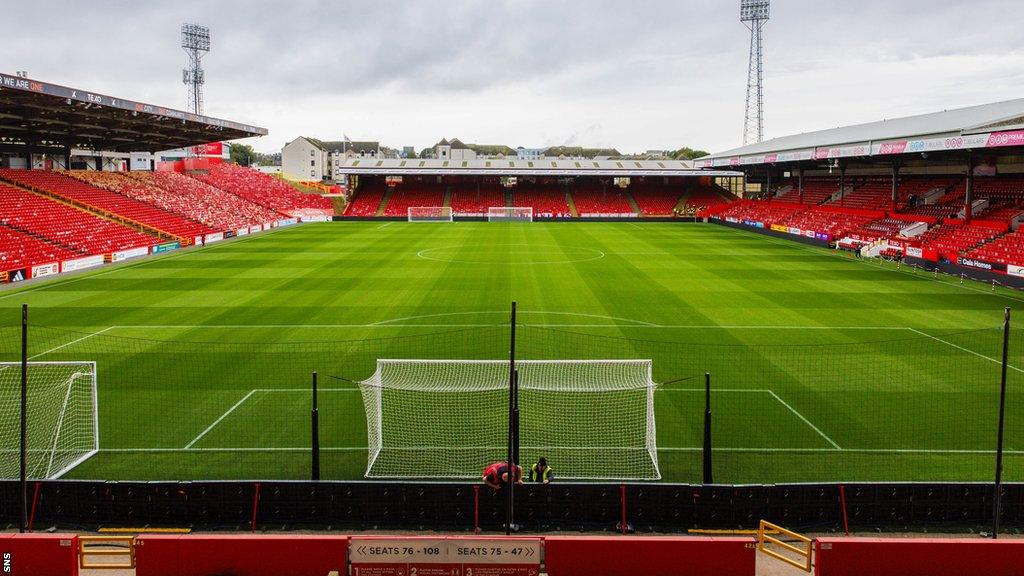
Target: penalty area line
<point>218,420</point>
<point>969,351</point>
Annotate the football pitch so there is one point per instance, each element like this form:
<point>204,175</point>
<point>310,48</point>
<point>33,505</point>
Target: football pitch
<point>823,367</point>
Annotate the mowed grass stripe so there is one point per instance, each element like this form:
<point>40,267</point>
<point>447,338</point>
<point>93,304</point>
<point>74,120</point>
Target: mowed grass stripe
<point>751,310</point>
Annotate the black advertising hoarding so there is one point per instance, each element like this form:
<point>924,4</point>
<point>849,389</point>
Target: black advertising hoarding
<point>12,276</point>
<point>982,265</point>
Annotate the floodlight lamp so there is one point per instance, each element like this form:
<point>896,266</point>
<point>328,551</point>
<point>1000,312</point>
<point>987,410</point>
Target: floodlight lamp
<point>751,10</point>
<point>195,37</point>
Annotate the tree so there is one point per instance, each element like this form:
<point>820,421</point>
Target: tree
<point>242,154</point>
<point>686,153</point>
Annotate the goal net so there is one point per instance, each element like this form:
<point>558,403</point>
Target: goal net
<point>430,214</point>
<point>510,214</point>
<point>62,427</point>
<point>591,419</point>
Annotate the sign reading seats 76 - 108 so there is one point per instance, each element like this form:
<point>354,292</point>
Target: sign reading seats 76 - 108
<point>373,556</point>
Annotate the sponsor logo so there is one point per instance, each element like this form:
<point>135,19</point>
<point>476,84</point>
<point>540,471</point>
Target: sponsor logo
<point>81,263</point>
<point>126,254</point>
<point>229,234</point>
<point>972,263</point>
<point>216,237</point>
<point>8,563</point>
<point>166,247</point>
<point>17,275</point>
<point>1013,138</point>
<point>242,232</point>
<point>1015,270</point>
<point>914,252</point>
<point>45,270</point>
<point>893,147</point>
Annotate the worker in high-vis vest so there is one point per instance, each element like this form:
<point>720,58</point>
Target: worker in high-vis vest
<point>541,472</point>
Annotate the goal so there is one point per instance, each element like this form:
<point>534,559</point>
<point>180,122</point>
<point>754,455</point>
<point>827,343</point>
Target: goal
<point>430,214</point>
<point>591,419</point>
<point>62,430</point>
<point>510,214</point>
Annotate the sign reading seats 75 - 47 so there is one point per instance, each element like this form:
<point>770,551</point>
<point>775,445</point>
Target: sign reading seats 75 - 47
<point>454,556</point>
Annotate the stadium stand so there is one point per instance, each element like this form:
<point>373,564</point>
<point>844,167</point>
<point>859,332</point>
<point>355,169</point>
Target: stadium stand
<point>411,193</point>
<point>20,250</point>
<point>591,199</point>
<point>106,201</point>
<point>467,200</point>
<point>1008,249</point>
<point>834,223</point>
<point>703,198</point>
<point>816,190</point>
<point>546,199</point>
<point>366,199</point>
<point>766,212</point>
<point>266,191</point>
<point>655,198</point>
<point>65,225</point>
<point>951,239</point>
<point>202,202</point>
<point>868,194</point>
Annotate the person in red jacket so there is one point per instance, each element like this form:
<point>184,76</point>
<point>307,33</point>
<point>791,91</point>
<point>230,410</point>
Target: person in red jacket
<point>496,475</point>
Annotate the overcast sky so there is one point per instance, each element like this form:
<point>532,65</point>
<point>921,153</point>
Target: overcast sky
<point>636,75</point>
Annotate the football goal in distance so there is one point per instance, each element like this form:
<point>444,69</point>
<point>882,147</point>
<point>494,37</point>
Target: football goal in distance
<point>63,428</point>
<point>510,214</point>
<point>591,419</point>
<point>430,214</point>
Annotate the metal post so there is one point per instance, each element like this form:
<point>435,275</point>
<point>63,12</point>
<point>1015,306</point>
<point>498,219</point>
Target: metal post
<point>708,475</point>
<point>895,185</point>
<point>509,461</point>
<point>969,192</point>
<point>842,185</point>
<point>800,183</point>
<point>23,476</point>
<point>999,440</point>
<point>315,423</point>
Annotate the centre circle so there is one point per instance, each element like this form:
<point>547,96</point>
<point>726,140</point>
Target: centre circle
<point>512,254</point>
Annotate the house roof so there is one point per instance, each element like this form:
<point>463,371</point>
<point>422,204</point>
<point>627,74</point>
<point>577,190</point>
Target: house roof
<point>515,167</point>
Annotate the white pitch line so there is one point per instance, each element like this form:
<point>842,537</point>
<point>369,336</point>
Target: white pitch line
<point>218,420</point>
<point>660,449</point>
<point>86,337</point>
<point>305,390</point>
<point>806,421</point>
<point>979,355</point>
<point>385,225</point>
<point>388,324</point>
<point>239,449</point>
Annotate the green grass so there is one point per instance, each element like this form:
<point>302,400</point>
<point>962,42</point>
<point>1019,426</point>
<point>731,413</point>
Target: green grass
<point>824,368</point>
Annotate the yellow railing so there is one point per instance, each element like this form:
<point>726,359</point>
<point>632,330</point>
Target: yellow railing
<point>802,558</point>
<point>91,547</point>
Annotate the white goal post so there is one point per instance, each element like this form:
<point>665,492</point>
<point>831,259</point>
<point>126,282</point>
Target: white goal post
<point>430,214</point>
<point>591,419</point>
<point>510,214</point>
<point>63,423</point>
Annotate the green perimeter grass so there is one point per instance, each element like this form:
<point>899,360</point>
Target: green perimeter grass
<point>824,368</point>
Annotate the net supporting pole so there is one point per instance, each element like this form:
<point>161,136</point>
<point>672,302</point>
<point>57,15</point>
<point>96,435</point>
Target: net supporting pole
<point>510,465</point>
<point>315,425</point>
<point>708,475</point>
<point>997,497</point>
<point>23,448</point>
